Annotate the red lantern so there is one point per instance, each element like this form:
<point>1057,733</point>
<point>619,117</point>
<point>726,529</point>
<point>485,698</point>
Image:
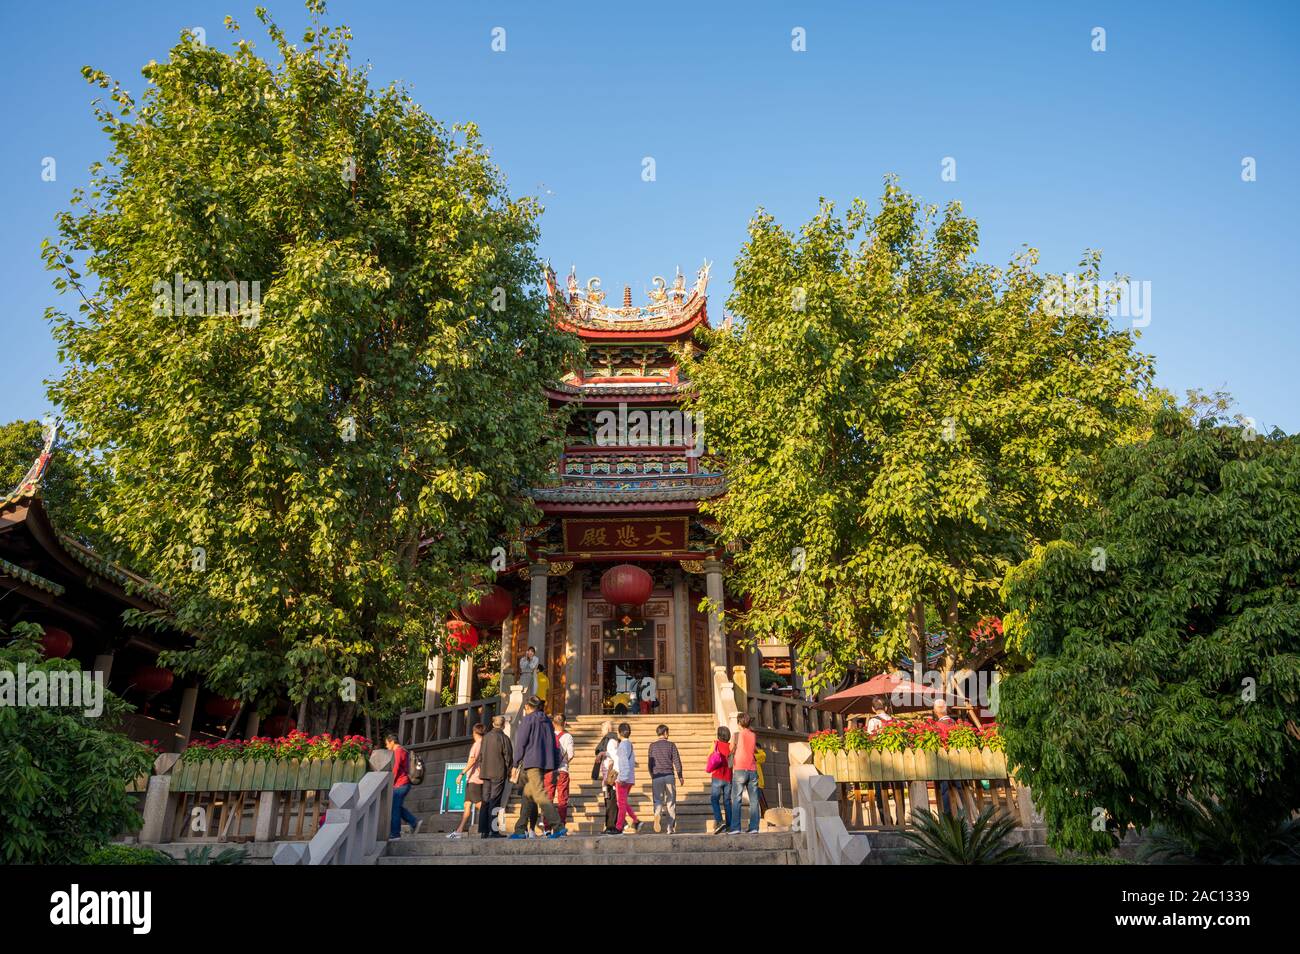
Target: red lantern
<point>56,643</point>
<point>492,608</point>
<point>221,708</point>
<point>278,725</point>
<point>153,679</point>
<point>461,636</point>
<point>626,585</point>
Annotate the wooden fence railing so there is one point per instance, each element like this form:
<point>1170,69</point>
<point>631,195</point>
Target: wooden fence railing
<point>788,715</point>
<point>451,724</point>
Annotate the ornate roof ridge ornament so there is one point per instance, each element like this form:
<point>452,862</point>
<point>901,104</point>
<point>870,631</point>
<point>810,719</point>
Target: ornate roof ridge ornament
<point>31,482</point>
<point>667,307</point>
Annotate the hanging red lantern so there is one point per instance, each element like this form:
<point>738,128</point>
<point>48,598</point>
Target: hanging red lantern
<point>626,585</point>
<point>278,725</point>
<point>221,708</point>
<point>56,643</point>
<point>461,636</point>
<point>153,679</point>
<point>491,609</point>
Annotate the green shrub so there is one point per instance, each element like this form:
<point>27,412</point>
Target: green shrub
<point>126,855</point>
<point>63,773</point>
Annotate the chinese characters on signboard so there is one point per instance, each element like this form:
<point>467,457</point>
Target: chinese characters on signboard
<point>626,535</point>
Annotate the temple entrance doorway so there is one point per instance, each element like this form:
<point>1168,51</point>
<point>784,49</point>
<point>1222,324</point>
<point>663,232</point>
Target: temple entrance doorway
<point>627,662</point>
<point>624,683</point>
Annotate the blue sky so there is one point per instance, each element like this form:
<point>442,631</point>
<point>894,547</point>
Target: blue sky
<point>1136,150</point>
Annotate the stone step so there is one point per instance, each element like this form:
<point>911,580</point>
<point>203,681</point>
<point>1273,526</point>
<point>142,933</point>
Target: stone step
<point>772,848</point>
<point>668,858</point>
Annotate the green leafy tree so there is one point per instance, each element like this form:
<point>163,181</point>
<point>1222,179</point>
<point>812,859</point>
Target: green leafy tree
<point>317,467</point>
<point>900,424</point>
<point>1164,631</point>
<point>63,773</point>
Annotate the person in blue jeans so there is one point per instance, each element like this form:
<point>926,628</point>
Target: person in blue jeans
<point>401,785</point>
<point>720,792</point>
<point>744,776</point>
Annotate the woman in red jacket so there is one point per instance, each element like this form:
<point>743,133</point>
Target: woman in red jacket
<point>719,766</point>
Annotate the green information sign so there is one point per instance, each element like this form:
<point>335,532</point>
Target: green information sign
<point>453,792</point>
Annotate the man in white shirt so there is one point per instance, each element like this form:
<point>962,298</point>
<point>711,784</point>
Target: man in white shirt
<point>557,782</point>
<point>528,664</point>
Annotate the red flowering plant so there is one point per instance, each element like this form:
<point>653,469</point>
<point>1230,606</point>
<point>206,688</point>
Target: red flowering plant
<point>891,737</point>
<point>991,738</point>
<point>295,745</point>
<point>826,741</point>
<point>922,735</point>
<point>857,740</point>
<point>925,735</point>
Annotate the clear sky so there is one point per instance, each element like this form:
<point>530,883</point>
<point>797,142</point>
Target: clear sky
<point>1136,150</point>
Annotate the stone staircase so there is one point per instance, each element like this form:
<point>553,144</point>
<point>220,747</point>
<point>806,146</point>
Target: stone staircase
<point>694,735</point>
<point>772,848</point>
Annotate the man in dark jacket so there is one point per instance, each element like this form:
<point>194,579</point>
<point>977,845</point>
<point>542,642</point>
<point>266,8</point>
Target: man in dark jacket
<point>496,756</point>
<point>535,755</point>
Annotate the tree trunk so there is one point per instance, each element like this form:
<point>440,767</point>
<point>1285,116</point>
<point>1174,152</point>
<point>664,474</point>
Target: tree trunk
<point>239,714</point>
<point>916,636</point>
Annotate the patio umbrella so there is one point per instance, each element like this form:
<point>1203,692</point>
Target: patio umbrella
<point>910,696</point>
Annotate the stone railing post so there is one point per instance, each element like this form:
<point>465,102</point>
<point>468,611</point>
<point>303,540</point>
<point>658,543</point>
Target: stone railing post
<point>159,802</point>
<point>725,709</point>
<point>381,760</point>
<point>824,839</point>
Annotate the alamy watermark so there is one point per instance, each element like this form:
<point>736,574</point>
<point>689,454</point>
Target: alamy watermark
<point>654,428</point>
<point>60,688</point>
<point>1116,298</point>
<point>180,297</point>
<point>963,688</point>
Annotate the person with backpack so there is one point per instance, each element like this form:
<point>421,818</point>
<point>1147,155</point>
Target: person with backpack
<point>744,776</point>
<point>535,755</point>
<point>719,767</point>
<point>474,785</point>
<point>401,786</point>
<point>664,761</point>
<point>605,771</point>
<point>626,779</point>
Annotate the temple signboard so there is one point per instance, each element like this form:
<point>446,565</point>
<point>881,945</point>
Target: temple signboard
<point>626,535</point>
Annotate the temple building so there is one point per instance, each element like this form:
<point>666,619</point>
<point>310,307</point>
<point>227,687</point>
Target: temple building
<point>77,596</point>
<point>626,492</point>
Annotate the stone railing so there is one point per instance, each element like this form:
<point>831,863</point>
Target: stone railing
<point>242,800</point>
<point>726,695</point>
<point>821,836</point>
<point>788,715</point>
<point>356,825</point>
<point>449,725</point>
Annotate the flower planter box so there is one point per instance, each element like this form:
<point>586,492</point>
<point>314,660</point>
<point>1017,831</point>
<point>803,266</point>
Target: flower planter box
<point>261,775</point>
<point>912,765</point>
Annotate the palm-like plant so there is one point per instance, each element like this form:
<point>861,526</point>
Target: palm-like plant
<point>950,840</point>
